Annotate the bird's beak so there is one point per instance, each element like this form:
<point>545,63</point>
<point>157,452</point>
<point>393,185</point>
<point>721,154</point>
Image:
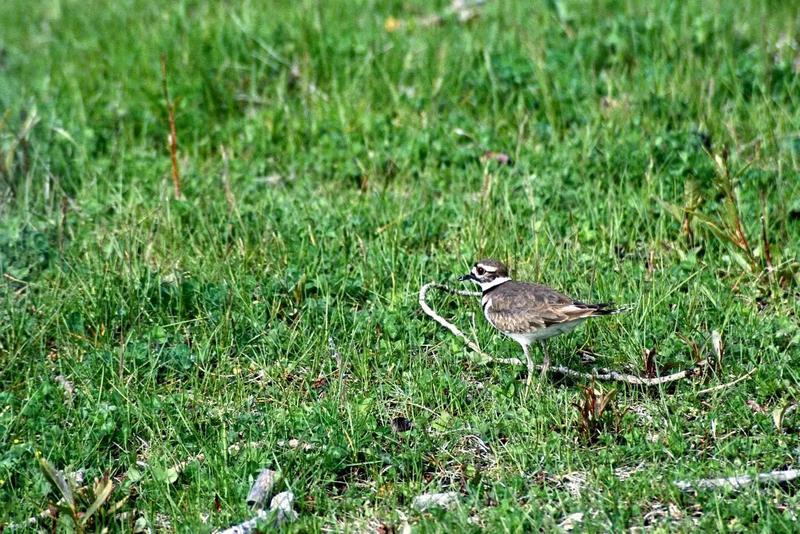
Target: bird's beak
<point>466,277</point>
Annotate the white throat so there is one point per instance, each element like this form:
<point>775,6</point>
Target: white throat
<point>494,283</point>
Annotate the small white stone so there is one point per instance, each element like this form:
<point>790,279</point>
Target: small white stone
<point>571,521</point>
<point>435,500</point>
<point>282,503</point>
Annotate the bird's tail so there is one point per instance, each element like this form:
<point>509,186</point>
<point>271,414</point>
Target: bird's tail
<point>608,308</point>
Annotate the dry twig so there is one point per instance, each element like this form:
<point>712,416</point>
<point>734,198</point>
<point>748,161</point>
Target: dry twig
<point>729,384</point>
<point>423,292</point>
<point>739,481</point>
<point>596,374</point>
<point>173,134</point>
<point>226,181</point>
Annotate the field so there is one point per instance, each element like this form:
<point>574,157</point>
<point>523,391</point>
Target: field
<point>334,157</point>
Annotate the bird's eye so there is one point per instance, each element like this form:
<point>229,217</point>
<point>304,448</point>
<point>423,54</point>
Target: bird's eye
<point>480,270</point>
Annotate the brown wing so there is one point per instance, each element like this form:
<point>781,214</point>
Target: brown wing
<point>528,307</point>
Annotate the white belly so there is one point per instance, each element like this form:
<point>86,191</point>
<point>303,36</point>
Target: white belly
<point>545,333</point>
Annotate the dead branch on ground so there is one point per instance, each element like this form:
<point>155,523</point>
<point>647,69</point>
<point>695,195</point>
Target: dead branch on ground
<point>596,374</point>
<point>728,384</point>
<point>739,481</point>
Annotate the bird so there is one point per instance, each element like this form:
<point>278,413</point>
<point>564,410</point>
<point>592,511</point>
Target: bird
<point>528,312</point>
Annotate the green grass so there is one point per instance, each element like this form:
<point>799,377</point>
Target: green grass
<point>201,326</point>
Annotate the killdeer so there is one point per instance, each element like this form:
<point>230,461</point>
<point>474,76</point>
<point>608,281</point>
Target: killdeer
<point>528,312</point>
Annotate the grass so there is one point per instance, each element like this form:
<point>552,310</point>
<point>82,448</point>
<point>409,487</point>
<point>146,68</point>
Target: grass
<point>354,174</point>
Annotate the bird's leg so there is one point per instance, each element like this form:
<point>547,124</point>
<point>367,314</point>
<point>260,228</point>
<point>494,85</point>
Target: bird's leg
<point>546,362</point>
<point>529,363</point>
